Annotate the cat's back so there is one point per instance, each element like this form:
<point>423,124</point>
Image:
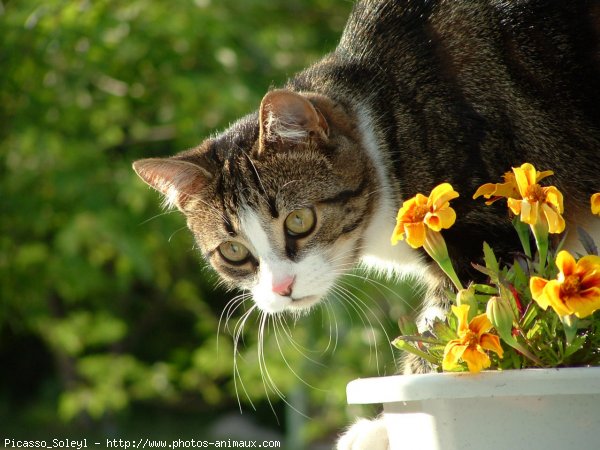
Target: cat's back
<point>510,81</point>
<point>466,89</point>
<point>384,29</point>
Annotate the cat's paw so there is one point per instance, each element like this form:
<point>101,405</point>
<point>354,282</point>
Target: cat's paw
<point>365,435</point>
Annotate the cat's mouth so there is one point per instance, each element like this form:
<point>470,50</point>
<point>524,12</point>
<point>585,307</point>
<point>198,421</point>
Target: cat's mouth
<point>303,303</point>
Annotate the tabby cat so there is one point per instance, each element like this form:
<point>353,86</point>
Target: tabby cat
<point>418,92</point>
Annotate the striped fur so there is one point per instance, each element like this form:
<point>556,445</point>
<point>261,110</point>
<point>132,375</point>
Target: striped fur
<point>418,92</point>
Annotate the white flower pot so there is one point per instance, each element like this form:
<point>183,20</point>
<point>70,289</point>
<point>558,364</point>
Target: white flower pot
<point>515,409</point>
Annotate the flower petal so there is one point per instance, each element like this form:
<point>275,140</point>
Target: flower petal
<point>556,223</point>
<point>444,218</point>
<point>415,234</point>
<point>405,209</point>
<point>595,200</point>
<point>480,324</point>
<point>398,234</point>
<point>537,285</point>
<point>487,190</point>
<point>586,303</point>
<point>496,191</point>
<point>554,197</point>
<point>542,175</point>
<point>452,354</point>
<point>565,263</point>
<point>529,172</point>
<point>515,205</point>
<point>529,212</point>
<point>491,342</point>
<point>588,268</point>
<point>555,300</point>
<point>476,360</point>
<point>525,176</point>
<point>440,195</point>
<point>462,313</point>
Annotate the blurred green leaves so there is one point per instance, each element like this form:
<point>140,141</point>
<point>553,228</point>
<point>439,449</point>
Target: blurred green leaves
<point>107,284</point>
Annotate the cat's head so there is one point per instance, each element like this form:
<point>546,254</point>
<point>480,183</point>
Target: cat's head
<point>279,202</point>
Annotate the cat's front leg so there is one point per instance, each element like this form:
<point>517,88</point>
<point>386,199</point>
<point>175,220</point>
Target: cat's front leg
<point>365,434</point>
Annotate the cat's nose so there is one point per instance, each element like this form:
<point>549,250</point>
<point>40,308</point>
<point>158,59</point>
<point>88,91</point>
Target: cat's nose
<point>284,286</point>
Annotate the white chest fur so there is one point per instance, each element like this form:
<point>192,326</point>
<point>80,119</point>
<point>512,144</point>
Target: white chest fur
<point>378,253</point>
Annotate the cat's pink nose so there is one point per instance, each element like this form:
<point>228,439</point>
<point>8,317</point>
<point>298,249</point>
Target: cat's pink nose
<point>284,286</point>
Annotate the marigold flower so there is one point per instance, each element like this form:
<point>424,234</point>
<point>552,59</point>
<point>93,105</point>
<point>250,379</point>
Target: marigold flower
<point>576,289</point>
<point>595,203</point>
<point>509,189</point>
<point>421,211</point>
<point>473,340</point>
<point>537,203</point>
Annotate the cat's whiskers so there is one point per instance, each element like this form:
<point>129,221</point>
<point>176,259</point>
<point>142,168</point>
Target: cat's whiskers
<point>289,366</point>
<point>346,256</point>
<point>228,311</point>
<point>239,326</point>
<point>156,216</point>
<point>291,206</point>
<point>362,315</point>
<point>330,313</point>
<point>365,310</point>
<point>344,269</point>
<point>301,349</point>
<point>379,286</point>
<point>262,187</point>
<point>175,232</point>
<point>267,379</point>
<point>215,212</point>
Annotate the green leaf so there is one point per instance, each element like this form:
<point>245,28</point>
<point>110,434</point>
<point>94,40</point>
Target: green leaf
<point>407,326</point>
<point>491,262</point>
<point>401,344</point>
<point>443,331</point>
<point>587,241</point>
<point>570,327</point>
<point>485,289</point>
<point>523,233</point>
<point>575,345</point>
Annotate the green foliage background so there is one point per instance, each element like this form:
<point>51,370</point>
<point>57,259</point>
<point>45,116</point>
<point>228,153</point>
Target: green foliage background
<point>108,319</point>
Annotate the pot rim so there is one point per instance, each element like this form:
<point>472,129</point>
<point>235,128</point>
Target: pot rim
<point>508,383</point>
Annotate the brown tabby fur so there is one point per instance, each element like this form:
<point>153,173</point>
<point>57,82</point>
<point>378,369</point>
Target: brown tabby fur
<point>456,90</point>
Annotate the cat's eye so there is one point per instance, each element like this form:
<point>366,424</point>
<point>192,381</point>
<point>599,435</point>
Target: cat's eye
<point>300,223</point>
<point>234,252</point>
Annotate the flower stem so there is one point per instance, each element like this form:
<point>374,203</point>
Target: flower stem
<point>540,232</point>
<point>403,345</point>
<point>570,327</point>
<point>435,246</point>
<point>523,233</point>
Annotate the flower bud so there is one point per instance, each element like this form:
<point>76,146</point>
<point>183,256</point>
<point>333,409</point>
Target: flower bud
<point>501,315</point>
<point>467,297</point>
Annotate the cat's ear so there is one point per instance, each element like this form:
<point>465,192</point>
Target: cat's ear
<point>287,117</point>
<point>177,180</point>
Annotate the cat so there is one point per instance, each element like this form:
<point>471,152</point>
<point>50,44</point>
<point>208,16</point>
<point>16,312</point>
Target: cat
<point>418,92</point>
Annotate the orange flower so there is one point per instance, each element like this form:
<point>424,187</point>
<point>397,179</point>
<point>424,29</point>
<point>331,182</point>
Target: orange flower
<point>537,203</point>
<point>576,289</point>
<point>508,189</point>
<point>473,340</point>
<point>595,203</point>
<point>421,211</point>
<point>496,191</point>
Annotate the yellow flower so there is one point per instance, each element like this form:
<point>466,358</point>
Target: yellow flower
<point>537,203</point>
<point>576,289</point>
<point>496,191</point>
<point>421,211</point>
<point>473,340</point>
<point>508,189</point>
<point>595,203</point>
